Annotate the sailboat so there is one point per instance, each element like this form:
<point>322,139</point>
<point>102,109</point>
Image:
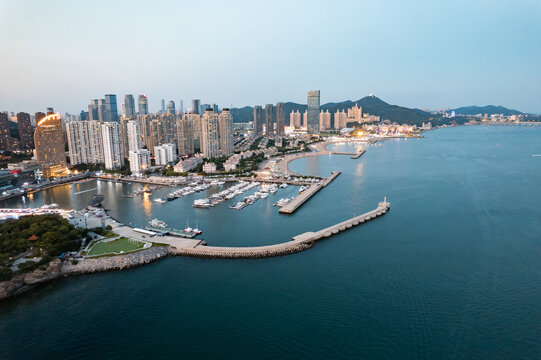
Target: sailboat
<point>196,230</point>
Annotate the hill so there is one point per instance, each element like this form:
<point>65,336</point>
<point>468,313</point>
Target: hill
<point>489,109</point>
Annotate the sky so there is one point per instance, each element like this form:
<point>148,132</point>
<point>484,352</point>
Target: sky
<point>414,53</point>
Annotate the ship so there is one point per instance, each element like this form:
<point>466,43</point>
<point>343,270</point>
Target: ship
<point>160,200</point>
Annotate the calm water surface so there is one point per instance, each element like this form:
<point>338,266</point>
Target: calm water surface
<point>452,271</point>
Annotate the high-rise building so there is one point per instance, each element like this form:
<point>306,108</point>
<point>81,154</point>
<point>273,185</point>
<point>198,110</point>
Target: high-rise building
<point>143,105</point>
<point>210,145</point>
<point>340,119</point>
<point>133,130</point>
<point>313,112</point>
<point>203,108</point>
<point>163,106</point>
<point>324,120</point>
<point>225,129</point>
<point>215,108</point>
<point>129,106</point>
<point>112,145</point>
<point>295,119</point>
<point>269,120</point>
<point>85,142</point>
<point>305,120</point>
<point>258,120</point>
<point>49,143</point>
<point>5,137</point>
<point>111,108</point>
<point>103,115</point>
<point>139,161</point>
<point>50,111</point>
<point>171,108</point>
<point>26,133</point>
<point>181,107</point>
<point>280,119</point>
<point>38,116</point>
<point>195,106</point>
<point>92,110</point>
<point>165,154</point>
<point>185,133</point>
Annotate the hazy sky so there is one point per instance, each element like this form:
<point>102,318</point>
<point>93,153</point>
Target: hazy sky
<point>416,53</point>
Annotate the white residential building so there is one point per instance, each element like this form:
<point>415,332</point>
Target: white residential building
<point>340,119</point>
<point>139,161</point>
<point>85,142</point>
<point>112,145</point>
<point>134,135</point>
<point>209,167</point>
<point>165,154</point>
<point>187,164</point>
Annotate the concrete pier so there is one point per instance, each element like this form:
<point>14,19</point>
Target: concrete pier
<point>299,243</point>
<point>300,199</point>
<point>359,154</point>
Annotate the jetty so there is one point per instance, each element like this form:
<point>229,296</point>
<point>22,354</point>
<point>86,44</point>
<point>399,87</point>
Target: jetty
<point>298,243</point>
<point>300,199</point>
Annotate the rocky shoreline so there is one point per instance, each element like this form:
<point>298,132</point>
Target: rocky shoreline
<point>56,269</point>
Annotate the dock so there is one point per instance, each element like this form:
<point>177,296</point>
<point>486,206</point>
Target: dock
<point>359,154</point>
<point>300,199</point>
<point>298,243</point>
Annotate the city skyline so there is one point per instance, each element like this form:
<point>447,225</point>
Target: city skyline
<point>449,59</point>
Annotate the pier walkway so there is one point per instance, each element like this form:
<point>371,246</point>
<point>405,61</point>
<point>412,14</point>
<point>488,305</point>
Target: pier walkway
<point>300,199</point>
<point>299,243</point>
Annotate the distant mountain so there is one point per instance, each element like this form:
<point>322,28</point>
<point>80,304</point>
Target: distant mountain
<point>489,109</point>
<point>370,104</point>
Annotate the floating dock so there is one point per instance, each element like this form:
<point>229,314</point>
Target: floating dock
<point>300,199</point>
<point>299,243</point>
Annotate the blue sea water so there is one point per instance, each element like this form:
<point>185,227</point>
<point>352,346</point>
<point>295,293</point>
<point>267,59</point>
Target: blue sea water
<point>453,271</point>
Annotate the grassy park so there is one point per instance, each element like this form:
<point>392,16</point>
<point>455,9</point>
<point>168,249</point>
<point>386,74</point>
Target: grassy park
<point>119,246</point>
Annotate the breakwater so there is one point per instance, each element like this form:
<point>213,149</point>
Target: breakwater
<point>298,243</point>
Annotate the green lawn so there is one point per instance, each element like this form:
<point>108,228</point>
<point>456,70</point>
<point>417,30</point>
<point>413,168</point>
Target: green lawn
<point>123,244</point>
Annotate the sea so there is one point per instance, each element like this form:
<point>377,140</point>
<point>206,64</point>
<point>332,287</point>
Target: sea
<point>452,271</point>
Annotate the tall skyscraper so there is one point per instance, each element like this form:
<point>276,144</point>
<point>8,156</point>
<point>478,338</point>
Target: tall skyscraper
<point>49,144</point>
<point>195,106</point>
<point>181,107</point>
<point>313,112</point>
<point>129,105</point>
<point>215,108</point>
<point>269,120</point>
<point>112,145</point>
<point>133,129</point>
<point>103,115</point>
<point>5,137</point>
<point>185,134</point>
<point>258,120</point>
<point>171,108</point>
<point>92,110</point>
<point>26,133</point>
<point>210,145</point>
<point>111,108</point>
<point>85,142</point>
<point>280,119</point>
<point>225,128</point>
<point>50,111</point>
<point>163,106</point>
<point>143,104</point>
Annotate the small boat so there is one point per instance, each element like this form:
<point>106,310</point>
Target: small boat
<point>160,200</point>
